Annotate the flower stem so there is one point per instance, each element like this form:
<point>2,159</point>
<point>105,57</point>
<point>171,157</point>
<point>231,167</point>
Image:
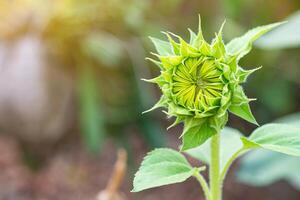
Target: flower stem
<point>214,172</point>
<point>230,161</point>
<point>204,185</point>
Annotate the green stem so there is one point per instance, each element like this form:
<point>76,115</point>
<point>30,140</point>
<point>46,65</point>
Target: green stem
<point>230,161</point>
<point>204,185</point>
<point>214,172</point>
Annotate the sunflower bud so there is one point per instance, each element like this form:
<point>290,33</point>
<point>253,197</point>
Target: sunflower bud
<point>200,82</point>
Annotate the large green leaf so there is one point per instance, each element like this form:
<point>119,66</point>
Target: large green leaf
<point>262,168</point>
<point>242,45</point>
<point>230,144</point>
<point>285,36</point>
<point>162,167</point>
<point>282,138</point>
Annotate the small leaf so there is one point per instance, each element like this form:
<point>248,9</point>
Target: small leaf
<point>162,47</point>
<point>162,167</point>
<point>281,138</point>
<point>230,143</point>
<point>242,45</point>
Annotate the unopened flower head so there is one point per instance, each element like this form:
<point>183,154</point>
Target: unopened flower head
<point>200,82</point>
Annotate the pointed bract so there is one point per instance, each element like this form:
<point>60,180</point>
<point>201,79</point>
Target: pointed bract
<point>159,64</point>
<point>193,37</point>
<point>244,112</point>
<point>161,103</point>
<point>243,74</point>
<point>175,45</point>
<point>240,105</point>
<point>197,135</point>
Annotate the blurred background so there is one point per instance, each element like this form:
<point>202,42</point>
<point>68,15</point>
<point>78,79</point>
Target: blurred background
<point>71,95</point>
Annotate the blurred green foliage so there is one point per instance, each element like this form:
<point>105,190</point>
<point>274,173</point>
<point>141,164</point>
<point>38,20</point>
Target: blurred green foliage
<point>92,121</point>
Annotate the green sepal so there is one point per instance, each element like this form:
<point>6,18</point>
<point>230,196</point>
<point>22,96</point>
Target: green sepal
<point>193,37</point>
<point>232,63</point>
<point>166,75</point>
<point>169,62</point>
<point>240,105</point>
<point>187,50</point>
<point>206,113</point>
<point>218,46</point>
<point>226,71</point>
<point>218,122</point>
<point>239,97</point>
<point>243,74</point>
<point>225,101</point>
<point>161,103</point>
<point>174,110</point>
<point>163,48</point>
<point>175,45</point>
<point>200,43</point>
<point>205,48</point>
<point>177,121</point>
<point>160,81</point>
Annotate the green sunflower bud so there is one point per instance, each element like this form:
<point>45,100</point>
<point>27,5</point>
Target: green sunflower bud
<point>200,82</point>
